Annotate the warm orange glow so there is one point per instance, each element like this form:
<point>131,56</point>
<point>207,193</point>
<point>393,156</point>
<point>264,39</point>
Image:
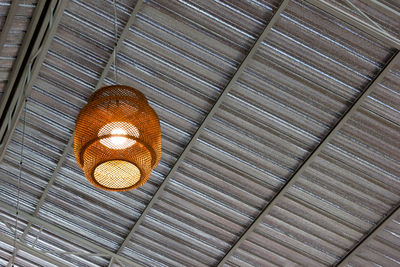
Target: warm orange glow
<point>117,139</point>
<point>118,130</point>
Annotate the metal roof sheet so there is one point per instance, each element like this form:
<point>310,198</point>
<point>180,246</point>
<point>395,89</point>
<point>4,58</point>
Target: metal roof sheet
<point>307,72</point>
<point>13,35</point>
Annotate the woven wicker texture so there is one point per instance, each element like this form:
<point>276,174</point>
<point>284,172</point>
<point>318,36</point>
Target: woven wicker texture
<point>117,138</point>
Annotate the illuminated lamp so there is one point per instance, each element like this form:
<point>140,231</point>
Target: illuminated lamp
<point>117,138</point>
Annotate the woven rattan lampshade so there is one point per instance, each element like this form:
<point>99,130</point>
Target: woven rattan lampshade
<point>117,138</point>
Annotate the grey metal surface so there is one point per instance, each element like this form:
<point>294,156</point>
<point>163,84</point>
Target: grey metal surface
<point>382,250</point>
<point>13,27</point>
<point>382,113</point>
<point>70,142</point>
<point>7,23</point>
<point>345,191</point>
<point>206,120</point>
<point>368,16</point>
<point>308,161</point>
<point>31,256</point>
<point>57,239</point>
<point>23,85</point>
<point>227,155</point>
<point>368,239</point>
<point>383,14</point>
<point>181,54</point>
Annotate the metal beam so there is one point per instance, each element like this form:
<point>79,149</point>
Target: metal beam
<point>382,5</point>
<point>71,139</point>
<point>22,54</point>
<point>48,186</point>
<point>14,106</point>
<point>64,234</point>
<point>8,23</point>
<point>356,22</point>
<point>359,11</point>
<point>293,179</point>
<point>371,235</point>
<point>6,239</point>
<point>203,124</point>
<point>33,63</point>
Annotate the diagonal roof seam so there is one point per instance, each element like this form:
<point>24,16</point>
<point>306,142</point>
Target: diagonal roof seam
<point>22,246</point>
<point>65,150</point>
<point>19,89</point>
<point>48,28</point>
<point>70,141</point>
<point>369,236</point>
<point>64,233</point>
<point>209,116</point>
<point>296,175</point>
<point>356,22</point>
<point>23,55</point>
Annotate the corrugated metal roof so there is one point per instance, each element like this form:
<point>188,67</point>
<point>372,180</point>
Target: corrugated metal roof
<point>307,72</point>
<point>382,13</point>
<point>383,249</point>
<point>20,19</point>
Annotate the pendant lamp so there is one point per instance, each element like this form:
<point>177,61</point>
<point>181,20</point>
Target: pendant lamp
<point>117,138</point>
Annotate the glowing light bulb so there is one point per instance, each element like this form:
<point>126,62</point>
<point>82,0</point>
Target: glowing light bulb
<point>116,130</point>
<point>118,140</point>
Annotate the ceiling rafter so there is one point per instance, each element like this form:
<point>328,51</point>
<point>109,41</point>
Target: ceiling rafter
<point>71,139</point>
<point>41,200</point>
<point>8,23</point>
<point>63,233</point>
<point>336,12</point>
<point>42,43</point>
<point>296,175</point>
<point>11,106</point>
<point>203,124</point>
<point>10,241</point>
<point>357,23</point>
<point>371,235</point>
<point>21,57</point>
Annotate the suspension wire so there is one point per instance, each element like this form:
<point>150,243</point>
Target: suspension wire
<point>20,174</point>
<point>20,163</point>
<point>115,41</point>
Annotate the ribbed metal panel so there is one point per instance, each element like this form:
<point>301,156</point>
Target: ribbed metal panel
<point>38,162</point>
<point>47,242</point>
<point>208,54</point>
<point>180,69</point>
<point>181,55</point>
<point>281,107</point>
<point>376,130</point>
<point>7,248</point>
<point>14,36</point>
<point>383,13</point>
<point>383,250</point>
<point>347,189</point>
<point>78,53</point>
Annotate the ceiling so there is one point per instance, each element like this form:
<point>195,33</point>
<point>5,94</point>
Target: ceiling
<point>280,129</point>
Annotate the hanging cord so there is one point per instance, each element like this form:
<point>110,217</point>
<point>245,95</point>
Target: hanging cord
<point>20,163</point>
<point>20,174</point>
<point>116,42</point>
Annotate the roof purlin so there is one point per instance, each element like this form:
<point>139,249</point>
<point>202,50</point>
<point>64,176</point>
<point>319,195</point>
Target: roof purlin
<point>296,175</point>
<point>70,142</point>
<point>209,116</point>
